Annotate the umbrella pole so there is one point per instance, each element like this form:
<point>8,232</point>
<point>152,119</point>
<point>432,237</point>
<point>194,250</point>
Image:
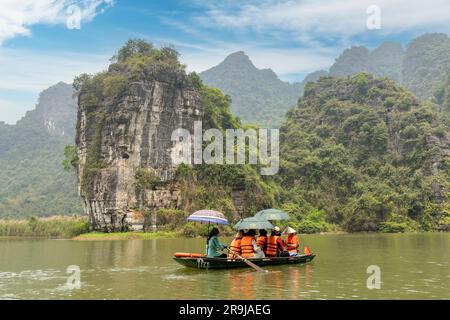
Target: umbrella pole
<point>207,235</point>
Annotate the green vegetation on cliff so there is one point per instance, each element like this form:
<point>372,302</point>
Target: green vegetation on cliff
<point>426,62</point>
<point>212,186</point>
<point>442,94</point>
<point>202,186</point>
<point>368,155</point>
<point>32,180</point>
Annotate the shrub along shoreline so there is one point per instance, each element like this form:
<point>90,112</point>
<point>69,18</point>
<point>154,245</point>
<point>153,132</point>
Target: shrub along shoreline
<point>77,228</point>
<point>48,227</point>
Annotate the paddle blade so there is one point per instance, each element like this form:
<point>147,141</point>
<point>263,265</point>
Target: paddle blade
<point>254,266</point>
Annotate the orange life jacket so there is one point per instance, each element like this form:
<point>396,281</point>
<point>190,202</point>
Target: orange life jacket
<point>307,251</point>
<point>235,247</point>
<point>272,246</point>
<point>292,243</point>
<point>247,247</point>
<point>262,242</point>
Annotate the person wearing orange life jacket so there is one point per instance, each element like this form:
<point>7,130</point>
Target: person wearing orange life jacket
<point>292,242</point>
<point>249,248</point>
<point>235,246</point>
<point>275,246</point>
<point>261,241</point>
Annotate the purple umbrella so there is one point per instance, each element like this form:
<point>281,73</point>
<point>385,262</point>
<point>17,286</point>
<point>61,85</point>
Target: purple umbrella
<point>208,216</point>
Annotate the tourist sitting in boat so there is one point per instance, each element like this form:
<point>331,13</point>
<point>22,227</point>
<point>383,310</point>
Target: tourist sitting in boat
<point>235,246</point>
<point>261,241</point>
<point>214,246</point>
<point>275,246</point>
<point>249,249</point>
<point>292,242</point>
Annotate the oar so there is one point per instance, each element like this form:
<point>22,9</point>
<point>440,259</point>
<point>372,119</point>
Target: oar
<point>250,264</point>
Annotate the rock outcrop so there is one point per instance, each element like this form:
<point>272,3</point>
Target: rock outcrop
<point>124,146</point>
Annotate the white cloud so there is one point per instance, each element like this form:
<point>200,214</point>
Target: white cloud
<point>35,71</point>
<point>17,16</point>
<point>284,61</point>
<point>310,20</point>
<point>30,72</point>
<point>10,111</point>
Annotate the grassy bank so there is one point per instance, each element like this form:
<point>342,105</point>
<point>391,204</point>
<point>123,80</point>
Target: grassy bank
<point>51,227</point>
<point>127,235</point>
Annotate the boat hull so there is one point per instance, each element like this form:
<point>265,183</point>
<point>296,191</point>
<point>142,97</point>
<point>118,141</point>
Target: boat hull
<point>224,263</point>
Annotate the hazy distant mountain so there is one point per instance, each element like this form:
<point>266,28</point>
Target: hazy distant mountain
<point>426,63</point>
<point>314,76</point>
<point>351,61</point>
<point>421,68</point>
<point>387,60</point>
<point>384,61</point>
<point>32,180</point>
<point>258,95</point>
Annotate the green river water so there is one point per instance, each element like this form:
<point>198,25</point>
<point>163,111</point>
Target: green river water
<point>413,266</point>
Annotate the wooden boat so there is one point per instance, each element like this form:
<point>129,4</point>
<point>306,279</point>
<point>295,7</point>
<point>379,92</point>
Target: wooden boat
<point>203,262</point>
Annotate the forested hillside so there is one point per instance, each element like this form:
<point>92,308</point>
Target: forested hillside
<point>426,62</point>
<point>32,180</point>
<point>258,95</point>
<point>367,154</point>
<point>384,61</point>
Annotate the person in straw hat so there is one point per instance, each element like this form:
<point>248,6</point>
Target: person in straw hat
<point>292,242</point>
<point>275,246</point>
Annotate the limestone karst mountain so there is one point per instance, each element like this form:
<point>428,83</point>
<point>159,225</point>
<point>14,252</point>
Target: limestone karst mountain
<point>126,118</point>
<point>421,67</point>
<point>384,61</point>
<point>426,63</point>
<point>32,180</point>
<point>258,95</point>
<point>368,154</point>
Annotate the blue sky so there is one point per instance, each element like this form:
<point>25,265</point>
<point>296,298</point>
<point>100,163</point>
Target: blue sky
<point>295,37</point>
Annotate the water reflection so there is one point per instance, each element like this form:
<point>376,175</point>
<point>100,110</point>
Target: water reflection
<point>137,269</point>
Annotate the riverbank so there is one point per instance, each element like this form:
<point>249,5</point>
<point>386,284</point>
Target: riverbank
<point>95,236</point>
<point>48,227</point>
<point>70,227</point>
<point>77,228</point>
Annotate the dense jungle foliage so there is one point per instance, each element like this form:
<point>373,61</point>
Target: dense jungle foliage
<point>367,155</point>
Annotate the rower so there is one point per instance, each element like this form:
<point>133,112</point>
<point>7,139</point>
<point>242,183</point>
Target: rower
<point>214,245</point>
<point>235,246</point>
<point>292,242</point>
<point>275,246</point>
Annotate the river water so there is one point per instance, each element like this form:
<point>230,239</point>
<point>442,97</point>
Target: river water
<point>412,266</point>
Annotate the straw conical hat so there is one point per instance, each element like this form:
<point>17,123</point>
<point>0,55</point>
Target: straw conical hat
<point>289,230</point>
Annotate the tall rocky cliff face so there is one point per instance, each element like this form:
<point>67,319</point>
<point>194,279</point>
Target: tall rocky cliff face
<point>124,144</point>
